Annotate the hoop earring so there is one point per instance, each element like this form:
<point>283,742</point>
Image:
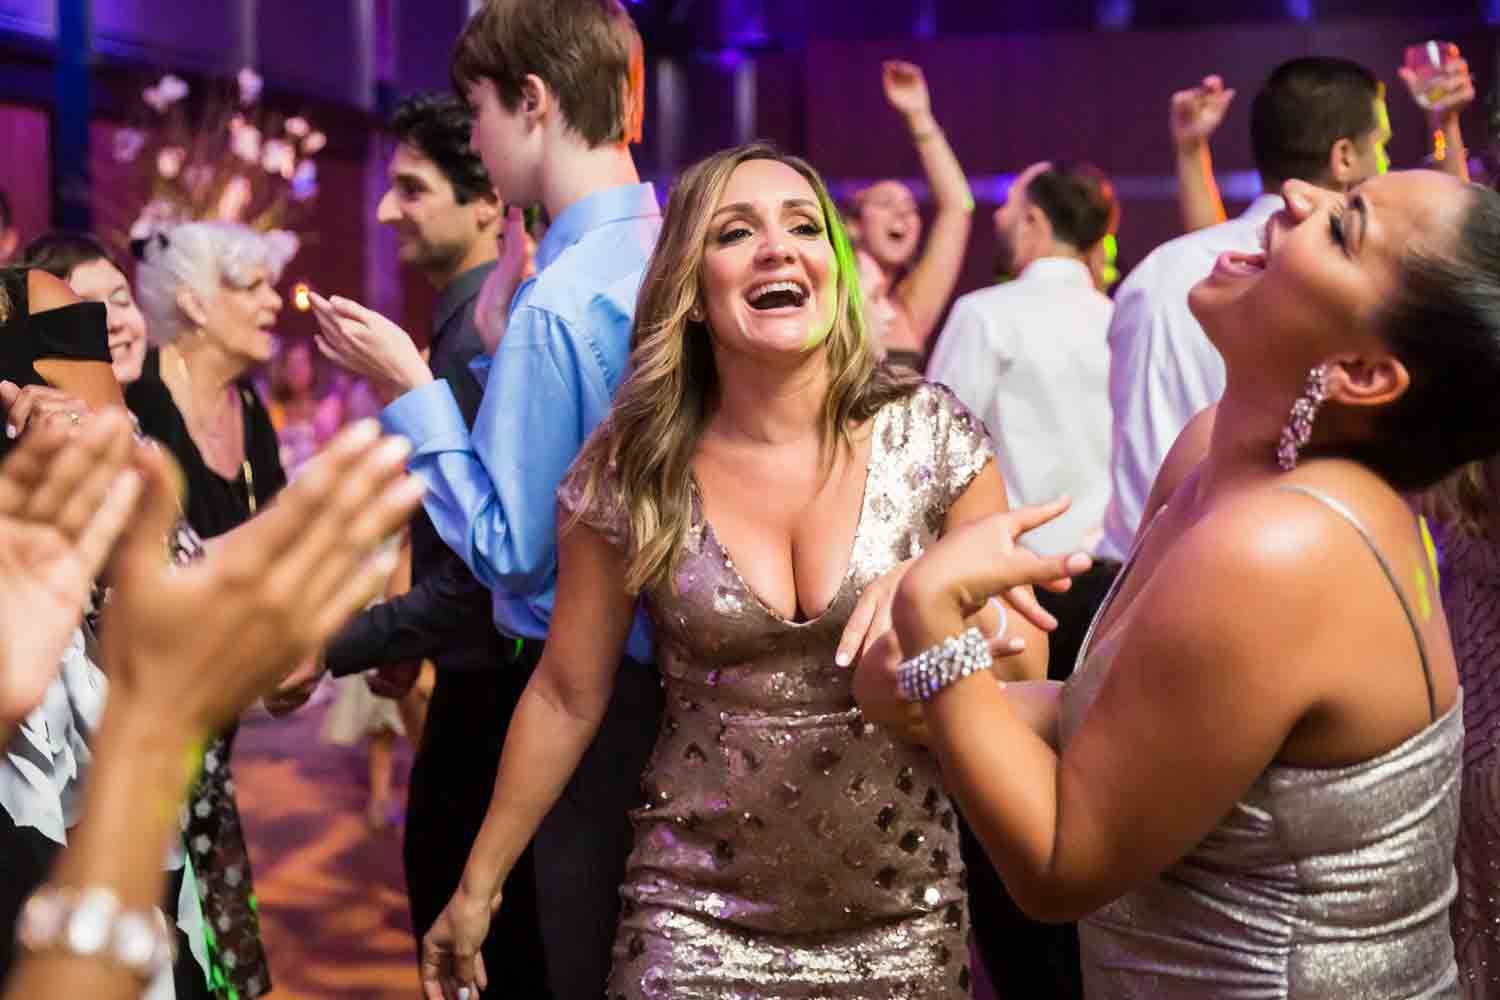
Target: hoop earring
<point>1298,429</point>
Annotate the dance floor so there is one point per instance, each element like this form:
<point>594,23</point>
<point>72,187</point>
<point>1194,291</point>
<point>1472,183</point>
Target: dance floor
<point>332,895</point>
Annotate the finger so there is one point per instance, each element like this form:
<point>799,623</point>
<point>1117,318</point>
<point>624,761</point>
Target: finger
<point>77,507</point>
<point>1023,599</point>
<point>141,549</point>
<point>481,976</point>
<point>26,466</point>
<point>68,477</point>
<point>1213,83</point>
<point>99,536</point>
<point>881,623</point>
<point>302,501</point>
<point>328,614</point>
<point>856,628</point>
<point>8,392</point>
<point>351,518</point>
<point>1024,519</point>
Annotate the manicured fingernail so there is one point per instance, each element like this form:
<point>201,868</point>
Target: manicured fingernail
<point>463,993</point>
<point>10,431</point>
<point>841,658</point>
<point>1016,644</point>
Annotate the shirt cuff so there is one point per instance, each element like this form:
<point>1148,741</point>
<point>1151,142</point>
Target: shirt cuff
<point>427,413</point>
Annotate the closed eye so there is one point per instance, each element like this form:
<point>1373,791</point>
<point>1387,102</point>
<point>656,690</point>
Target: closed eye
<point>1336,230</point>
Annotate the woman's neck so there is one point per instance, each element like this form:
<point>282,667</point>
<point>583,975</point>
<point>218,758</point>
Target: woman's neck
<point>1243,442</point>
<point>203,374</point>
<point>766,405</point>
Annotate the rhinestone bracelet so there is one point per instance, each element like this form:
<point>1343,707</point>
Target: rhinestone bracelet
<point>933,669</point>
<point>91,923</point>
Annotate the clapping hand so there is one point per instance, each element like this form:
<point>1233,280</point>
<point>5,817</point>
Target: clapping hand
<point>65,497</point>
<point>368,344</point>
<point>492,310</point>
<point>191,646</point>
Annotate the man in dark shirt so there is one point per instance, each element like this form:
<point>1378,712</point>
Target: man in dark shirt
<point>448,219</point>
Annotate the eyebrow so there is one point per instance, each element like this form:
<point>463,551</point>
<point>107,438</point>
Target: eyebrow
<point>745,208</point>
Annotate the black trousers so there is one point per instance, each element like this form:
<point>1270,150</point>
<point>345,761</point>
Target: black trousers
<point>451,781</point>
<point>1026,958</point>
<point>584,842</point>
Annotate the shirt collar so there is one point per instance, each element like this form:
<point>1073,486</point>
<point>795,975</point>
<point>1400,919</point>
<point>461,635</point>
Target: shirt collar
<point>1263,208</point>
<point>457,295</point>
<point>616,204</point>
<point>1070,270</point>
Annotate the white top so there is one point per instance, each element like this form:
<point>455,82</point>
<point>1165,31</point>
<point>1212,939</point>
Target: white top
<point>1163,369</point>
<point>1029,357</point>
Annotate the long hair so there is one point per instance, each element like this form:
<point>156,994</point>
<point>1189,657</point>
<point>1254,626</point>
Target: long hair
<point>641,458</point>
<point>1468,501</point>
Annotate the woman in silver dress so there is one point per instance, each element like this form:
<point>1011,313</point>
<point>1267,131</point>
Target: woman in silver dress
<point>787,847</point>
<point>1250,787</point>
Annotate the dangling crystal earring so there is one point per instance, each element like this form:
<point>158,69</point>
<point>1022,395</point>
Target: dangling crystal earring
<point>1298,429</point>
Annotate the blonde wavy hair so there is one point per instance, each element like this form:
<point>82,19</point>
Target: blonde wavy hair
<point>639,464</point>
<point>1468,501</point>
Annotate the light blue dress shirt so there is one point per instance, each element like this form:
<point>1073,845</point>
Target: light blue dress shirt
<point>492,494</point>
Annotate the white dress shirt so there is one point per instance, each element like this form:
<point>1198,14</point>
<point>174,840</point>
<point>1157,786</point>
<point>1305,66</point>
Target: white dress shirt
<point>1163,369</point>
<point>1029,357</point>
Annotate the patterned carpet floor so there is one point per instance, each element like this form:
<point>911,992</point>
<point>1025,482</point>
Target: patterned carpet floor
<point>332,895</point>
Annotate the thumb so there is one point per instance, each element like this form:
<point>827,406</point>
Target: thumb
<point>9,393</point>
<point>142,549</point>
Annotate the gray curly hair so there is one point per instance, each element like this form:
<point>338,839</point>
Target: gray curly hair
<point>201,255</point>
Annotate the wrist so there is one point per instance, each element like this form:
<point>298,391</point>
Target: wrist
<point>1190,148</point>
<point>921,124</point>
<point>923,616</point>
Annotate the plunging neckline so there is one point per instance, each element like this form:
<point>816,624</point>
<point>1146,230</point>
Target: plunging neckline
<point>844,581</point>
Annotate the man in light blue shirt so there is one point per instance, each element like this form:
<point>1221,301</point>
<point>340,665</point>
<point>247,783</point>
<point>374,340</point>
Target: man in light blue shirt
<point>550,133</point>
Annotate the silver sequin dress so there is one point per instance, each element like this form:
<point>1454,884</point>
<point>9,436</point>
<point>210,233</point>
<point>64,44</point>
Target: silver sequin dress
<point>1320,883</point>
<point>788,848</point>
<point>1471,597</point>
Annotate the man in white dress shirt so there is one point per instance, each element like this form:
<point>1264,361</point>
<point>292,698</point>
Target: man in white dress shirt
<point>1319,120</point>
<point>1029,356</point>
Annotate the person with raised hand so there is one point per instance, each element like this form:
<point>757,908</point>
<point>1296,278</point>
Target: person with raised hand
<point>188,648</point>
<point>886,224</point>
<point>1194,114</point>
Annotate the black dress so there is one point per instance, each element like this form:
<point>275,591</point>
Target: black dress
<point>214,838</point>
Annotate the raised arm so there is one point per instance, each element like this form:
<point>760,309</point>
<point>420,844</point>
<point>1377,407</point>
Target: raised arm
<point>925,291</point>
<point>1193,116</point>
<point>1443,98</point>
<point>554,723</point>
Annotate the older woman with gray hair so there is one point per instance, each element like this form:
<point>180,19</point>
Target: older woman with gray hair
<point>207,290</point>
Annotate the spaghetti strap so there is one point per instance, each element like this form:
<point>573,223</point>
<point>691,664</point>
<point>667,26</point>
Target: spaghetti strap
<point>1348,515</point>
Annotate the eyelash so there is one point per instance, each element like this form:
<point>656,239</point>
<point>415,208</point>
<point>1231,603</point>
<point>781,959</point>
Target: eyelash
<point>1336,228</point>
<point>810,230</point>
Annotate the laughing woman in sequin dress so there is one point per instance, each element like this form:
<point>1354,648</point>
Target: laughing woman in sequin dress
<point>1250,787</point>
<point>787,847</point>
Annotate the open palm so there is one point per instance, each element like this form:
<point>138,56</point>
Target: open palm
<point>63,503</point>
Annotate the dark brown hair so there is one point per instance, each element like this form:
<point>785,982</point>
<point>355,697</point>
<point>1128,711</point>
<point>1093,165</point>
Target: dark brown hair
<point>587,52</point>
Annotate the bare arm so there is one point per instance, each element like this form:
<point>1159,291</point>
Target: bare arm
<point>1193,117</point>
<point>1456,89</point>
<point>561,708</point>
<point>1190,692</point>
<point>925,291</point>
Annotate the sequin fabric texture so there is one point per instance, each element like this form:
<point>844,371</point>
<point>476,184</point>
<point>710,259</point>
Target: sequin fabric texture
<point>788,848</point>
<point>1319,883</point>
<point>1471,598</point>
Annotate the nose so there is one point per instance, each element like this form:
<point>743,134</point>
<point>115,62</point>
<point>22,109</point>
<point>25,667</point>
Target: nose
<point>273,299</point>
<point>774,249</point>
<point>1303,199</point>
<point>387,212</point>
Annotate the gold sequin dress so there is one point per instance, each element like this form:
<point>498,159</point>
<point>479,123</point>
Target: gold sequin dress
<point>788,848</point>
